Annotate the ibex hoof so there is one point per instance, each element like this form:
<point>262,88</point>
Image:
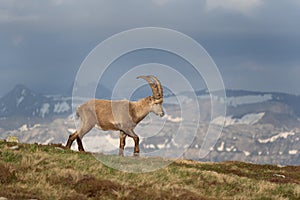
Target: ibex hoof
<point>136,154</point>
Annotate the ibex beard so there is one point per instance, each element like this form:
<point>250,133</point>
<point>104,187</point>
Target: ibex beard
<point>119,115</point>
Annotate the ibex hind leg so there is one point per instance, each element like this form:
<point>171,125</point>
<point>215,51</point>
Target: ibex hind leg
<point>81,132</point>
<point>78,135</point>
<point>79,143</point>
<point>72,137</point>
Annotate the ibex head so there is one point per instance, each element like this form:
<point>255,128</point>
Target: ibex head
<point>157,96</point>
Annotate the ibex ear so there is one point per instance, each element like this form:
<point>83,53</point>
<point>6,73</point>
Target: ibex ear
<point>152,100</point>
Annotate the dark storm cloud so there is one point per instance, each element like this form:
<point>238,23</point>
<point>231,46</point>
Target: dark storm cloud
<point>44,42</point>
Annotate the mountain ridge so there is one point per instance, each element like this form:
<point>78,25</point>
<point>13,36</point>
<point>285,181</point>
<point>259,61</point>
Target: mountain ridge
<point>279,108</point>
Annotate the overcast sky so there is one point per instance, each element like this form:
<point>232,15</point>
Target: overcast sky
<point>255,43</point>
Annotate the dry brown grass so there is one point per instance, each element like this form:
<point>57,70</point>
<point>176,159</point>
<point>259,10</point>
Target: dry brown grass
<point>48,172</point>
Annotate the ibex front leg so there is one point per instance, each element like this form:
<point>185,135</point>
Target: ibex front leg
<point>136,139</point>
<point>122,143</point>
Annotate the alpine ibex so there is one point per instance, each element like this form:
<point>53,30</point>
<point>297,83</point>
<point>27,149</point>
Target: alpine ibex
<point>121,115</point>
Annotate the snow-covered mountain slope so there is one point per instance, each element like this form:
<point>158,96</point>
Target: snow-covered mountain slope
<point>247,99</point>
<point>259,127</point>
<point>21,101</point>
<point>248,135</point>
<point>259,143</point>
<point>249,119</point>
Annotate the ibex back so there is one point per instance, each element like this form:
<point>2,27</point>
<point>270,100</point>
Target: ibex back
<point>120,115</point>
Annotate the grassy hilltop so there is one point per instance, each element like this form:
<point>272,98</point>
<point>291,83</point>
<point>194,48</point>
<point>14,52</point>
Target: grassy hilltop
<point>29,171</point>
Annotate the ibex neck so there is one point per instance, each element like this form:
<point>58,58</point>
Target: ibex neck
<point>140,109</point>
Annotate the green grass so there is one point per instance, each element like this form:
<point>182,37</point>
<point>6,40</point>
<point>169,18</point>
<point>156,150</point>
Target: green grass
<point>50,172</point>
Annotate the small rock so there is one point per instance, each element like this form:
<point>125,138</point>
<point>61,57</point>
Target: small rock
<point>3,198</point>
<point>280,166</point>
<point>59,148</point>
<point>16,147</point>
<point>12,139</point>
<point>279,175</point>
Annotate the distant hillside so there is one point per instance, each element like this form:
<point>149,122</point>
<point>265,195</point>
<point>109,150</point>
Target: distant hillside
<point>260,127</point>
<point>23,102</point>
<point>50,172</point>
